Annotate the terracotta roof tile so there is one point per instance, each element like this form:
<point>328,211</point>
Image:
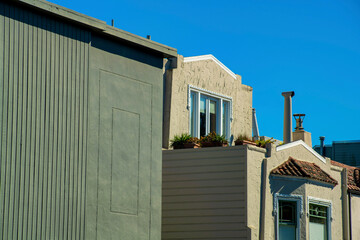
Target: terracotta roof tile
<point>353,176</point>
<point>296,168</point>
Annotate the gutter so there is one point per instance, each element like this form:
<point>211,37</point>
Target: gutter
<point>350,217</point>
<point>263,200</point>
<point>345,204</point>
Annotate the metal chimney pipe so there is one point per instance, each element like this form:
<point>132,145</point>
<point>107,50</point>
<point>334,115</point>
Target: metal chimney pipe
<point>322,145</point>
<point>287,116</point>
<point>255,128</point>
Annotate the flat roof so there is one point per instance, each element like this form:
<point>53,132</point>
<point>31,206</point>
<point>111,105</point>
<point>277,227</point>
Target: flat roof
<point>98,25</point>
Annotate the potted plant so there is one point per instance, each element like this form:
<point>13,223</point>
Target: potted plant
<point>185,141</point>
<point>213,140</point>
<point>243,139</point>
<point>262,142</point>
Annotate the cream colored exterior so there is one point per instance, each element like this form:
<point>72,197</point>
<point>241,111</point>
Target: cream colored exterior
<point>355,216</point>
<point>211,75</point>
<point>302,135</point>
<point>184,169</point>
<point>288,186</point>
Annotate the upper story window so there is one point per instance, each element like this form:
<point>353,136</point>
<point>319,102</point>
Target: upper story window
<point>288,209</point>
<point>209,112</point>
<point>287,219</point>
<point>319,219</point>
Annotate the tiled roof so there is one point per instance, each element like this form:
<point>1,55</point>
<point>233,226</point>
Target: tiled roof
<point>353,176</point>
<point>296,168</point>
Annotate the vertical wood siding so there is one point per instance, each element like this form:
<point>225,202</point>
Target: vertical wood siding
<point>204,194</point>
<point>43,122</point>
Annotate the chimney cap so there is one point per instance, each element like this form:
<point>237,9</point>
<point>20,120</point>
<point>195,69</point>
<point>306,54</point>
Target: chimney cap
<point>299,117</point>
<point>288,94</point>
<point>322,138</point>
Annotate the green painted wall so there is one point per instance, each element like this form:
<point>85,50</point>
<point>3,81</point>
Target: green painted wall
<point>125,102</point>
<point>80,132</point>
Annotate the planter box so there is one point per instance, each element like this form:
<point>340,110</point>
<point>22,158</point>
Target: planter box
<point>213,144</point>
<point>245,142</point>
<point>188,145</point>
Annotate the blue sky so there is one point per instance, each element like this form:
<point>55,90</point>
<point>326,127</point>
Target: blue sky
<point>310,47</point>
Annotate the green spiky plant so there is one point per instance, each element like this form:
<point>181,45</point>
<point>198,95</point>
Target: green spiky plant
<point>179,141</point>
<point>213,139</point>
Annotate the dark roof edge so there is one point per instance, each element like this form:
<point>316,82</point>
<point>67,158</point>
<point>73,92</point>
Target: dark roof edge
<point>98,25</point>
<point>354,192</point>
<point>308,179</point>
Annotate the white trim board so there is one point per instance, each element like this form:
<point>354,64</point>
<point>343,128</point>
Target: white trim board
<point>211,94</point>
<point>297,143</point>
<point>209,57</point>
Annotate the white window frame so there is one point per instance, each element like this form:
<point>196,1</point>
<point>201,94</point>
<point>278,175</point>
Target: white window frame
<point>299,211</point>
<point>325,203</point>
<point>219,98</point>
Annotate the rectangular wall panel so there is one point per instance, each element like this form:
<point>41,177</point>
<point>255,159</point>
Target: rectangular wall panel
<point>125,162</point>
<point>43,123</point>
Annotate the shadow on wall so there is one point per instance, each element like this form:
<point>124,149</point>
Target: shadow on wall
<point>40,20</point>
<point>127,52</point>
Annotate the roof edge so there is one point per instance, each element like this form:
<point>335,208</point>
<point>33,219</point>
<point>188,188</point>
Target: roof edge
<point>302,143</point>
<point>210,57</point>
<point>308,179</point>
<point>93,23</point>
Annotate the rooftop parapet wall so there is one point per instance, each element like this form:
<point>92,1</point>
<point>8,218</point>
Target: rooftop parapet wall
<point>204,192</point>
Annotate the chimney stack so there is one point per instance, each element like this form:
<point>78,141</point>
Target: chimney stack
<point>287,116</point>
<point>322,139</point>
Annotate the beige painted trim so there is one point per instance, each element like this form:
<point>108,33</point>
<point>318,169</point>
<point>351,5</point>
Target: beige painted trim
<point>209,57</point>
<point>297,143</point>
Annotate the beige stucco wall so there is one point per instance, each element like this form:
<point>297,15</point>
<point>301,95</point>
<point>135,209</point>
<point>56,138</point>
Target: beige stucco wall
<point>208,75</point>
<point>192,167</point>
<point>255,157</point>
<point>355,216</point>
<point>296,186</point>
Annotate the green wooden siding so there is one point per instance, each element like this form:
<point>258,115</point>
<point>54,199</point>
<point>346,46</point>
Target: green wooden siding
<point>43,107</point>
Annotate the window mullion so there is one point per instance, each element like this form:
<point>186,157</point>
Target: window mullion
<point>220,117</point>
<point>197,125</point>
<point>207,116</point>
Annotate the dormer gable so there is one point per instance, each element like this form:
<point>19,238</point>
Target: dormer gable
<point>212,58</point>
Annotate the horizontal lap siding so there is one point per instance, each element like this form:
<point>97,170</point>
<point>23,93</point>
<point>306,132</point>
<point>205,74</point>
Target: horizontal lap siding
<point>204,194</point>
<point>43,119</point>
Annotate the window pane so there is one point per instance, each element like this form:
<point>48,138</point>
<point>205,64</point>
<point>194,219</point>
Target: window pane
<point>212,116</point>
<point>192,113</point>
<point>202,116</point>
<point>287,210</point>
<point>225,118</point>
<point>318,221</point>
<point>287,220</point>
<point>287,232</point>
